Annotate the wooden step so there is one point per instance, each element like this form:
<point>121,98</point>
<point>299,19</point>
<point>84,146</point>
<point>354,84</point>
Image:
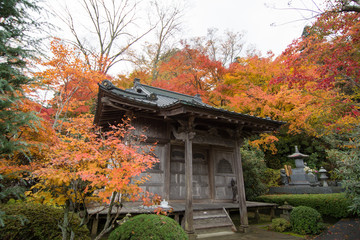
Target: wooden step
<point>212,221</point>
<point>223,230</point>
<point>208,221</point>
<point>212,225</point>
<point>209,212</point>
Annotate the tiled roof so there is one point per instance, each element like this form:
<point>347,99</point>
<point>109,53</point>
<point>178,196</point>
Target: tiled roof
<point>153,96</point>
<point>161,99</point>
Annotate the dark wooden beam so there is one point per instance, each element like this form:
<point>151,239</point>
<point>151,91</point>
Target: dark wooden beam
<point>244,224</point>
<point>172,112</point>
<point>189,214</point>
<point>106,101</point>
<point>126,104</point>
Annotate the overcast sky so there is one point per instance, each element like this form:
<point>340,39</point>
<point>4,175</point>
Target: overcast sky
<point>266,26</point>
<point>255,17</point>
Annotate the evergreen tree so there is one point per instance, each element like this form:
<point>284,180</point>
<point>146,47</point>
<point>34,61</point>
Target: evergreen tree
<point>15,42</point>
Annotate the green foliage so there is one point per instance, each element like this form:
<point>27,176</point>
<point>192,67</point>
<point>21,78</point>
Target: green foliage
<point>36,221</point>
<point>254,169</point>
<point>149,226</point>
<point>332,205</point>
<point>273,177</point>
<point>280,225</point>
<point>347,156</point>
<point>14,24</point>
<point>312,146</point>
<point>305,220</point>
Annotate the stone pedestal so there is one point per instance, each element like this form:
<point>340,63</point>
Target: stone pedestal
<point>298,176</point>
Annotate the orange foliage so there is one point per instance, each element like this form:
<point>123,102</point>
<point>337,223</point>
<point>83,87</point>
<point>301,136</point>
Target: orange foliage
<point>71,79</point>
<point>38,141</point>
<point>190,72</point>
<point>89,162</point>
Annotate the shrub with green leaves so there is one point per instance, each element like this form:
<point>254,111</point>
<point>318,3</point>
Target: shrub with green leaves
<point>254,169</point>
<point>280,225</point>
<point>24,221</point>
<point>149,226</point>
<point>332,205</point>
<point>305,220</point>
<point>346,154</point>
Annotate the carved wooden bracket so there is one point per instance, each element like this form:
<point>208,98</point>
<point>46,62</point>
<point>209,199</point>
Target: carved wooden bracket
<point>185,130</point>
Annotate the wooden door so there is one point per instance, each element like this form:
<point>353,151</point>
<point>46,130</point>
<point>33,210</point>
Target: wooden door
<point>224,172</point>
<point>201,188</point>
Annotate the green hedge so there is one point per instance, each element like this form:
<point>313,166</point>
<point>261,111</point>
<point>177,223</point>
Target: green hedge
<point>333,205</point>
<point>149,226</point>
<point>25,221</point>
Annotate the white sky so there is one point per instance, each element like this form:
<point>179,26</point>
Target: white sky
<point>252,16</point>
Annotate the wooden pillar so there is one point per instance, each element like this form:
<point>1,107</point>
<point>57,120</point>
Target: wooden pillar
<point>244,223</point>
<point>272,213</point>
<point>95,225</point>
<point>187,134</point>
<point>257,215</point>
<point>189,220</point>
<point>167,158</point>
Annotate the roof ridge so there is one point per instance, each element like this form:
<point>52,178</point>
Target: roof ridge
<point>165,90</point>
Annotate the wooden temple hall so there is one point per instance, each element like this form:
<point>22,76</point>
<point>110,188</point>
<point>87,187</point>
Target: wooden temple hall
<point>198,146</point>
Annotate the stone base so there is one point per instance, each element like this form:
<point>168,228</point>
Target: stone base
<point>304,190</point>
<point>192,236</point>
<point>243,228</point>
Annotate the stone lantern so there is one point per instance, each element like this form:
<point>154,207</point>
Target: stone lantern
<point>323,177</point>
<point>298,176</point>
<point>286,209</point>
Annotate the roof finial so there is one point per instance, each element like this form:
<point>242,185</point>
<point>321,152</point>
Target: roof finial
<point>198,97</point>
<point>136,81</point>
<point>296,149</point>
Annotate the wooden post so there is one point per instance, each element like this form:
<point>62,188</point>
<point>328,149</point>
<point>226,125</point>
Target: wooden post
<point>272,213</point>
<point>257,215</point>
<point>244,223</point>
<point>95,225</point>
<point>189,220</point>
<point>167,154</point>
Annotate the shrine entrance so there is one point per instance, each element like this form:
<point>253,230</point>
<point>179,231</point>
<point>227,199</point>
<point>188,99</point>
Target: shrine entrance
<point>201,186</point>
<point>211,176</point>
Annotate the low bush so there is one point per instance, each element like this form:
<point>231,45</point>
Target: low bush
<point>36,221</point>
<point>149,226</point>
<point>305,220</point>
<point>280,225</point>
<point>332,205</point>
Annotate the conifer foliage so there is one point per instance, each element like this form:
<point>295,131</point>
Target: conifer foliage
<point>14,21</point>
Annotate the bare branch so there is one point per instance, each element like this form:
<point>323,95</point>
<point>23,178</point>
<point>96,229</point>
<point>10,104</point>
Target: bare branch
<point>110,30</point>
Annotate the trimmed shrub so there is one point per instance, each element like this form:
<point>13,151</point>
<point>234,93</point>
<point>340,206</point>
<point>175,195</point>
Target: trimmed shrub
<point>332,205</point>
<point>280,224</point>
<point>149,226</point>
<point>26,221</point>
<point>305,220</point>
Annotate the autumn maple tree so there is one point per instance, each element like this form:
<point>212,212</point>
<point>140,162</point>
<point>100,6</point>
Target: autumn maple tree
<point>89,165</point>
<point>71,79</point>
<point>190,72</point>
